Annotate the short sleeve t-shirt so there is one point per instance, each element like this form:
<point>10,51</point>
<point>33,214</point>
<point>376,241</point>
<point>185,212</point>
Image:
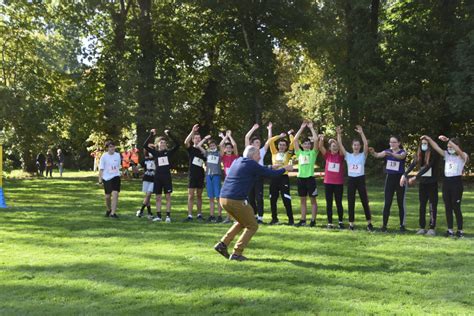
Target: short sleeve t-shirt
<point>334,169</point>
<point>227,161</point>
<point>196,162</point>
<point>355,164</point>
<point>306,162</point>
<point>110,164</point>
<point>394,165</point>
<point>213,164</point>
<point>453,165</point>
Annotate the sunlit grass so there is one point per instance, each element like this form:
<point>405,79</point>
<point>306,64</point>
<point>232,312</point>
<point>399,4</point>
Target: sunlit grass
<point>59,255</point>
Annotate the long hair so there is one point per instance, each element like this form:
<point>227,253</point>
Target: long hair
<point>419,156</point>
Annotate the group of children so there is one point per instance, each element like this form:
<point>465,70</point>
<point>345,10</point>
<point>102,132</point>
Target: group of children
<point>209,162</point>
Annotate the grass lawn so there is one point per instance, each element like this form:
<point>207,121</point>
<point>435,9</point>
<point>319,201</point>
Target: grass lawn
<point>59,255</point>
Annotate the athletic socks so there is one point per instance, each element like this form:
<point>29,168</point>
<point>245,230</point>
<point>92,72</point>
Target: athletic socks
<point>158,214</point>
<point>143,207</point>
<point>168,214</point>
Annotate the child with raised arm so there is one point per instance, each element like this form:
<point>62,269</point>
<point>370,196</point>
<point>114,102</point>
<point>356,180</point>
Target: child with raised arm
<point>196,173</point>
<point>280,185</point>
<point>148,180</point>
<point>256,192</point>
<point>213,176</point>
<point>306,155</point>
<point>454,161</point>
<point>356,172</point>
<point>229,153</point>
<point>333,179</point>
<point>162,181</point>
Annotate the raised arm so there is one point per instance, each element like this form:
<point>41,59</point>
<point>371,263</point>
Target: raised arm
<point>232,141</point>
<point>222,143</point>
<point>199,146</point>
<point>249,134</point>
<point>320,140</point>
<point>297,136</point>
<point>342,150</point>
<point>314,135</point>
<point>269,135</point>
<point>176,143</point>
<point>433,145</point>
<point>147,142</point>
<point>365,143</point>
<point>187,141</point>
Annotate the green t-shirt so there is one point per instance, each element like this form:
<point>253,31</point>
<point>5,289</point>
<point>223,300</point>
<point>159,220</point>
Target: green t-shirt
<point>306,162</point>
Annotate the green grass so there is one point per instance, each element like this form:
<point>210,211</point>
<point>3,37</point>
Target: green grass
<point>59,255</point>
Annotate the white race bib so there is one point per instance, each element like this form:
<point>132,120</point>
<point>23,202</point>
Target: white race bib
<point>428,173</point>
<point>163,161</point>
<point>150,165</point>
<point>355,168</point>
<point>450,169</point>
<point>213,159</point>
<point>113,168</point>
<point>198,162</point>
<point>334,167</point>
<point>393,165</point>
<point>280,157</point>
<point>303,160</point>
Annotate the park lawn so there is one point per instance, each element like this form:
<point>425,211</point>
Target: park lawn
<point>59,255</point>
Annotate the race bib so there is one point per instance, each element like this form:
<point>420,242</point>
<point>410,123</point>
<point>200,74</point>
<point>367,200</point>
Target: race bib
<point>150,165</point>
<point>213,159</point>
<point>334,167</point>
<point>303,160</point>
<point>355,168</point>
<point>280,157</point>
<point>114,167</point>
<point>428,173</point>
<point>163,161</point>
<point>393,165</point>
<point>198,162</point>
<point>450,169</point>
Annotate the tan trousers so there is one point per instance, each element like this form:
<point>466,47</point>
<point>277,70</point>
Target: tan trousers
<point>243,213</point>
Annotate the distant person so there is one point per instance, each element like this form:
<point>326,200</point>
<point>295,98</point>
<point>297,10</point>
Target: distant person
<point>241,175</point>
<point>40,163</point>
<point>96,155</point>
<point>60,157</point>
<point>49,163</point>
<point>229,153</point>
<point>134,159</point>
<point>126,158</point>
<point>109,175</point>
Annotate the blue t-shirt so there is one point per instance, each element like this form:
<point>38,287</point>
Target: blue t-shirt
<point>355,164</point>
<point>394,165</point>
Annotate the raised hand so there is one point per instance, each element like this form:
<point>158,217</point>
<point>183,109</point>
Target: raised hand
<point>282,135</point>
<point>195,127</point>
<point>425,137</point>
<point>255,126</point>
<point>309,124</point>
<point>221,135</point>
<point>359,129</point>
<point>304,124</point>
<point>207,137</point>
<point>228,133</point>
<point>443,138</point>
<point>167,132</point>
<point>291,131</point>
<point>371,150</point>
<point>153,131</point>
<point>270,125</point>
<point>321,137</point>
<point>339,129</point>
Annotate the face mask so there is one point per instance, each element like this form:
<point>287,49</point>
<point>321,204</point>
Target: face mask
<point>213,150</point>
<point>451,151</point>
<point>424,147</point>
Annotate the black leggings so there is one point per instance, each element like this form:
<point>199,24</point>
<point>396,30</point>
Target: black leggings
<point>392,185</point>
<point>353,184</point>
<point>428,192</point>
<point>256,197</point>
<point>336,190</point>
<point>281,185</point>
<point>452,196</point>
<point>49,170</point>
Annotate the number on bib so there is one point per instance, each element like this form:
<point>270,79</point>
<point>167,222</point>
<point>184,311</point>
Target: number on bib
<point>450,169</point>
<point>198,162</point>
<point>163,161</point>
<point>303,160</point>
<point>355,168</point>
<point>334,167</point>
<point>213,159</point>
<point>393,165</point>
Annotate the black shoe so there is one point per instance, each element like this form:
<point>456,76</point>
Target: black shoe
<point>341,225</point>
<point>291,222</point>
<point>274,221</point>
<point>139,213</point>
<point>107,213</point>
<point>312,224</point>
<point>114,215</point>
<point>237,257</point>
<point>200,218</point>
<point>188,219</point>
<point>449,234</point>
<point>219,219</point>
<point>383,229</point>
<point>301,223</point>
<point>370,228</point>
<point>210,219</point>
<point>221,248</point>
<point>402,229</point>
<point>351,227</point>
<point>329,226</point>
<point>460,234</point>
<point>259,221</point>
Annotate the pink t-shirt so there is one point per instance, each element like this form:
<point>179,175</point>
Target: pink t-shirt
<point>334,169</point>
<point>227,160</point>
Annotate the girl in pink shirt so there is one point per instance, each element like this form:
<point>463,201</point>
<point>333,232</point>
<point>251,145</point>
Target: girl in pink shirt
<point>333,178</point>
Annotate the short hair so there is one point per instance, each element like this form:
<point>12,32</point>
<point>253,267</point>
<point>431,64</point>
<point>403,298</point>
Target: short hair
<point>229,144</point>
<point>282,140</point>
<point>196,134</point>
<point>159,139</point>
<point>250,151</point>
<point>306,140</point>
<point>356,140</point>
<point>109,143</point>
<point>211,141</point>
<point>254,138</point>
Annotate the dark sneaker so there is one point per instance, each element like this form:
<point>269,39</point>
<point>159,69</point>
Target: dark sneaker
<point>200,218</point>
<point>341,225</point>
<point>259,221</point>
<point>210,219</point>
<point>370,228</point>
<point>351,227</point>
<point>114,215</point>
<point>227,221</point>
<point>449,234</point>
<point>274,221</point>
<point>291,222</point>
<point>219,219</point>
<point>460,234</point>
<point>383,229</point>
<point>312,224</point>
<point>188,219</point>
<point>139,213</point>
<point>237,257</point>
<point>107,213</point>
<point>402,229</point>
<point>221,248</point>
<point>301,223</point>
<point>329,226</point>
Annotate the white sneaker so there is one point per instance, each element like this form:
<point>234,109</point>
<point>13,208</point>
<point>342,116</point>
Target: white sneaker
<point>431,232</point>
<point>421,231</point>
<point>157,219</point>
<point>139,213</point>
<point>150,217</point>
<point>168,219</point>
